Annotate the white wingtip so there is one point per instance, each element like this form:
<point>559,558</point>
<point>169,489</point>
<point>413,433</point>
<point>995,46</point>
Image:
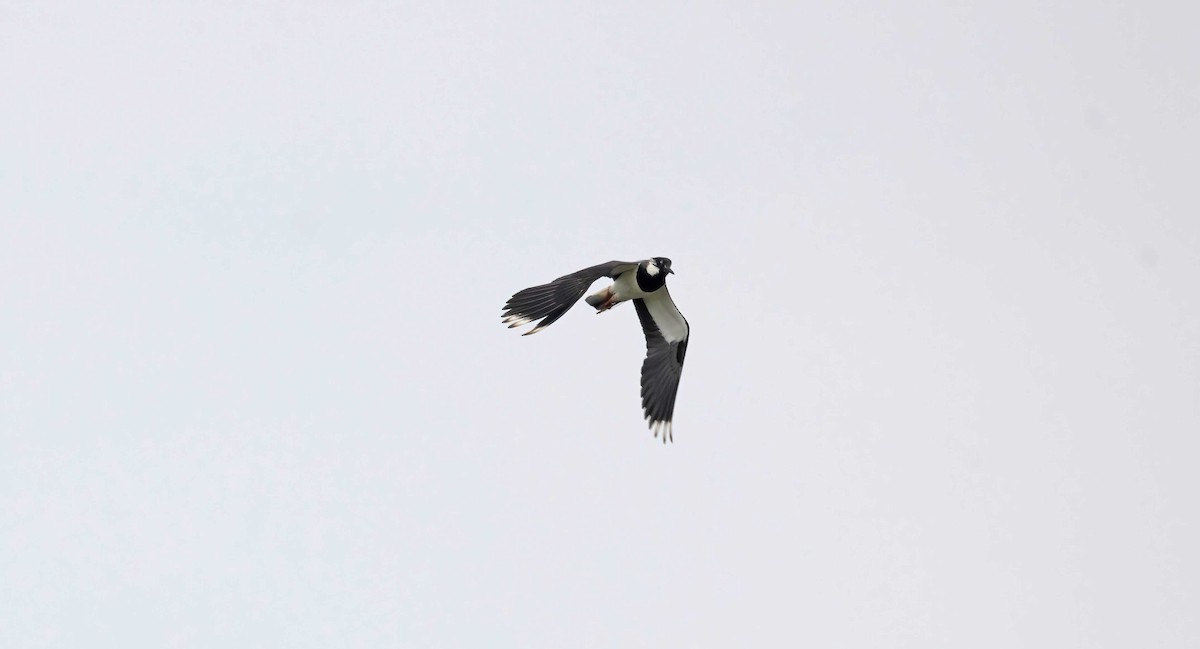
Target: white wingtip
<point>515,320</point>
<point>662,427</point>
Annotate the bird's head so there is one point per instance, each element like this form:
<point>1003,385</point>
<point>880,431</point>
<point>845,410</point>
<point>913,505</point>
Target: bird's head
<point>656,264</point>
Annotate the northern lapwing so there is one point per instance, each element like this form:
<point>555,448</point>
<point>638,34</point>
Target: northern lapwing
<point>644,282</point>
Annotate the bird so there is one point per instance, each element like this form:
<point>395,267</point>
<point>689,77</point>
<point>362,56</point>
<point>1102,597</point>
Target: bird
<point>645,283</point>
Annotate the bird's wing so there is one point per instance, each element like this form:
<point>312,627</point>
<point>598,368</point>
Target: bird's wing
<point>549,302</point>
<point>666,344</point>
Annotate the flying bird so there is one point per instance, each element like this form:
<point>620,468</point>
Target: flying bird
<point>644,282</point>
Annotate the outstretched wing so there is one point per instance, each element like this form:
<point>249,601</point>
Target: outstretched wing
<point>549,302</point>
<point>666,344</point>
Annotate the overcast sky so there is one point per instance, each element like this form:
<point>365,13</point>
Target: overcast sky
<point>940,263</point>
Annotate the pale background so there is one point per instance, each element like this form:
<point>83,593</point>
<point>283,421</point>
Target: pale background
<point>940,262</point>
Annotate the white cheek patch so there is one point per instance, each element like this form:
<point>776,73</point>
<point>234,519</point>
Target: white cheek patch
<point>651,268</point>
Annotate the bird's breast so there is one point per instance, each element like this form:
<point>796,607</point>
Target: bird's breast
<point>626,287</point>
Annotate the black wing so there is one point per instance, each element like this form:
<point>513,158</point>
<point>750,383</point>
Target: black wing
<point>549,302</point>
<point>666,345</point>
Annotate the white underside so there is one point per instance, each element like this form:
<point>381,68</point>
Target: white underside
<point>625,287</point>
<point>670,321</point>
<point>662,308</point>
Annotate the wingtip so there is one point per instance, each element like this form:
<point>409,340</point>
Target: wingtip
<point>515,320</point>
<point>663,428</point>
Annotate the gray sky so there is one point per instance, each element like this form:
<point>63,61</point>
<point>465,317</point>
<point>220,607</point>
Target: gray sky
<point>940,263</point>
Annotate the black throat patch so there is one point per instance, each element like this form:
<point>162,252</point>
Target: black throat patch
<point>650,283</point>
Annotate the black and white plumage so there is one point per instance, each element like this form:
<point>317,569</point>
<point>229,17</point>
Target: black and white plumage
<point>644,282</point>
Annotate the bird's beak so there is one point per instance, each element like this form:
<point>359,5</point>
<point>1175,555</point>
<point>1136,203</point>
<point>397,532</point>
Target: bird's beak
<point>670,271</point>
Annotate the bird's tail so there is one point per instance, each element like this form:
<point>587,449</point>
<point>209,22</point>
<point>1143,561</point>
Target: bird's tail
<point>601,300</point>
